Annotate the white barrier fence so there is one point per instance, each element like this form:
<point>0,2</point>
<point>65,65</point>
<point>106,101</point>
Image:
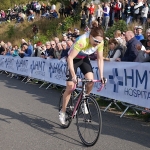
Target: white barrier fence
<point>127,82</point>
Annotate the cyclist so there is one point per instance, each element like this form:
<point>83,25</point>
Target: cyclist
<point>84,45</point>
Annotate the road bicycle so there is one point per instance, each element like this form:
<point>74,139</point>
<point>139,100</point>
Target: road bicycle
<point>87,112</point>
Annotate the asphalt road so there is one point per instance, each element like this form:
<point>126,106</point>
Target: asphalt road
<point>29,121</point>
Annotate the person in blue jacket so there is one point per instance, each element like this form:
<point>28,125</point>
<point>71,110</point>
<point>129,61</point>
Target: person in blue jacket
<point>132,47</point>
<point>139,36</point>
<point>26,51</point>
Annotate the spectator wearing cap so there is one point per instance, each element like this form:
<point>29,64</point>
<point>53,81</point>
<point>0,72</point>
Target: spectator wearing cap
<point>131,51</point>
<point>139,35</point>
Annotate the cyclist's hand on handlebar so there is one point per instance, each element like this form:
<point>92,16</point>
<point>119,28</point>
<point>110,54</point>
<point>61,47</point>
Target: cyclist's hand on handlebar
<point>103,80</point>
<point>74,79</point>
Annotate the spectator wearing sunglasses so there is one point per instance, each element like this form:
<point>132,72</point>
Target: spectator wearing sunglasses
<point>52,49</point>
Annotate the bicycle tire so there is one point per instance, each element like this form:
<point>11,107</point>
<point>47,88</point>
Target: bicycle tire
<point>69,109</point>
<point>88,122</point>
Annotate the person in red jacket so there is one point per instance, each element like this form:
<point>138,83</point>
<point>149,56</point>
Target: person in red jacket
<point>117,9</point>
<point>91,9</point>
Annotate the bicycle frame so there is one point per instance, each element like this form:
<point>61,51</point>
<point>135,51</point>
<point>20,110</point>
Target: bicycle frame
<point>81,94</point>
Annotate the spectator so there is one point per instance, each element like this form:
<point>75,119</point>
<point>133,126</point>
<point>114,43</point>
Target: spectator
<point>94,24</point>
<point>35,29</point>
<point>69,43</point>
<point>139,35</point>
<point>115,50</point>
<point>91,20</point>
<point>43,8</point>
<point>15,51</point>
<point>129,11</point>
<point>58,51</point>
<point>65,50</point>
<point>31,16</point>
<point>43,51</point>
<point>52,49</point>
<point>131,51</point>
<point>99,14</point>
<point>143,55</point>
<point>56,39</point>
<point>47,52</point>
<point>147,33</point>
<point>69,34</point>
<point>2,50</point>
<point>117,9</point>
<point>112,12</point>
<point>30,46</point>
<point>76,33</point>
<point>137,10</point>
<point>85,9</point>
<point>7,51</point>
<point>26,51</point>
<point>61,10</point>
<point>106,16</point>
<point>83,20</point>
<point>65,38</point>
<point>38,8</point>
<point>91,9</point>
<point>38,49</point>
<point>144,13</point>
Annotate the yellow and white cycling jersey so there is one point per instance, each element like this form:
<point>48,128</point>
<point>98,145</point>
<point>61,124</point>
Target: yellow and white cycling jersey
<point>83,46</point>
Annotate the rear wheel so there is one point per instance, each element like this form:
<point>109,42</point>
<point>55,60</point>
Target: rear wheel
<point>89,121</point>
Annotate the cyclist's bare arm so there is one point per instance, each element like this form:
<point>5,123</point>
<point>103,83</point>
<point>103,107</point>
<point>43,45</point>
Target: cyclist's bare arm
<point>100,63</point>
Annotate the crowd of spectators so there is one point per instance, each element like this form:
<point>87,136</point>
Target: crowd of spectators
<point>124,46</point>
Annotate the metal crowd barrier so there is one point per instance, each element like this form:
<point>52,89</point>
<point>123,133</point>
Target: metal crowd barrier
<point>112,101</point>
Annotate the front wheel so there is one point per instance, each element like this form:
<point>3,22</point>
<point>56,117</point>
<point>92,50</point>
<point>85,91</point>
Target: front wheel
<point>89,121</point>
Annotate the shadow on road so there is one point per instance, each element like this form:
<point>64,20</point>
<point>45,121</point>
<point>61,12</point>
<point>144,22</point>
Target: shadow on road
<point>41,124</point>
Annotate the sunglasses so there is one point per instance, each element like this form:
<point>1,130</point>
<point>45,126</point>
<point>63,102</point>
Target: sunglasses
<point>52,44</point>
<point>96,41</point>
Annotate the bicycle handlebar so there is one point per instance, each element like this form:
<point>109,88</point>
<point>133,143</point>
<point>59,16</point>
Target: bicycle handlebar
<point>87,80</point>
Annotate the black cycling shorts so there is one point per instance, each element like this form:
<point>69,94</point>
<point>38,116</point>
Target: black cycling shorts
<point>84,65</point>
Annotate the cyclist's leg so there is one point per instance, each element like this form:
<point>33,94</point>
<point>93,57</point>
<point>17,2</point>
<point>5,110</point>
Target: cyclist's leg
<point>89,86</point>
<point>69,84</point>
<point>86,69</point>
<point>67,94</point>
